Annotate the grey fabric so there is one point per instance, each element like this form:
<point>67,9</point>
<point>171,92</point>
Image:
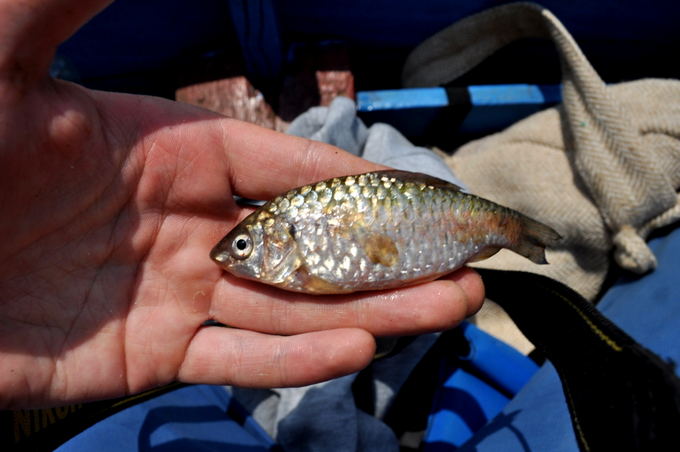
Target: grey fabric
<point>339,125</point>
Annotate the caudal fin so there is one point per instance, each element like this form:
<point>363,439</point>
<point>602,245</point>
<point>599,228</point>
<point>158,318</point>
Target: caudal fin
<point>535,238</point>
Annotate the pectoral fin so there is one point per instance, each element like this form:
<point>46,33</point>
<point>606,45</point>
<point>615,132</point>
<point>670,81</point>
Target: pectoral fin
<point>303,281</point>
<point>281,256</point>
<point>290,263</point>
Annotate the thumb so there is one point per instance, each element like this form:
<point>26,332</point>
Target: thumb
<point>31,30</point>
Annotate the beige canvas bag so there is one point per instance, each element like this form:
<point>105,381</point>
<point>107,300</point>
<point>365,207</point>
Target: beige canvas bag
<point>603,168</point>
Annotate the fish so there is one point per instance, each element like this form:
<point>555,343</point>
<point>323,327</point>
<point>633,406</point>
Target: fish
<point>374,231</point>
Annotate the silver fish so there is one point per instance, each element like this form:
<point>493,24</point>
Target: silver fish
<point>378,230</point>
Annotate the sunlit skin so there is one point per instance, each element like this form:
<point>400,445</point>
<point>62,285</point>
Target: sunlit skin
<point>109,206</point>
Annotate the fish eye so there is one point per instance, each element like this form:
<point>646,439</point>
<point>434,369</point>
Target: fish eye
<point>241,246</point>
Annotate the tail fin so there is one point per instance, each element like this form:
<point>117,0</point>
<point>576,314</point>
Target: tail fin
<point>535,237</point>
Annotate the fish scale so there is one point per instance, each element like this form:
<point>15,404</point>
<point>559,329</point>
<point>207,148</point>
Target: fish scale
<point>376,230</point>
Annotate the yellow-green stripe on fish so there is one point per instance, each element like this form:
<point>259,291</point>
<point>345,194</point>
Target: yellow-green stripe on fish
<point>378,230</point>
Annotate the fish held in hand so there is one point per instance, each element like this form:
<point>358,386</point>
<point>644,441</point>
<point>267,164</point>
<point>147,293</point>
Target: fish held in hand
<point>378,230</point>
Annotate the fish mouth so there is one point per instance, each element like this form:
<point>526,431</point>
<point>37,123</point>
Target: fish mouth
<point>218,255</point>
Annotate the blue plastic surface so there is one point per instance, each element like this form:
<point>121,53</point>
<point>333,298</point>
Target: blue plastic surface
<point>492,95</point>
<point>463,405</point>
<point>491,107</point>
<point>201,418</point>
<point>473,394</point>
<point>496,361</point>
<point>495,107</point>
<point>398,99</point>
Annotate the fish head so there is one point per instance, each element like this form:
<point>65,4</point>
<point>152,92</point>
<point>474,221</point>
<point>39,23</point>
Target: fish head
<point>264,251</point>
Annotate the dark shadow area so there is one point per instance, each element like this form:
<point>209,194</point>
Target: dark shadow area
<point>312,71</point>
<point>157,46</point>
<point>152,47</point>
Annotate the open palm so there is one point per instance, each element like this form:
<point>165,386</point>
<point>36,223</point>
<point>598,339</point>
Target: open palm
<point>110,204</point>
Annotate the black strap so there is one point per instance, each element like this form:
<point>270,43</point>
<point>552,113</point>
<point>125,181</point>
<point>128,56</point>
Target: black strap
<point>621,396</point>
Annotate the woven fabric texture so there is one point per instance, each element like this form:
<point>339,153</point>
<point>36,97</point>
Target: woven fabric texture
<point>603,168</point>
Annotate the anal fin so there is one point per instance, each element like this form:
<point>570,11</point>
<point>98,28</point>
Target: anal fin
<point>485,254</point>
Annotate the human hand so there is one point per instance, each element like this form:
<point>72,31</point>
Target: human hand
<point>110,204</point>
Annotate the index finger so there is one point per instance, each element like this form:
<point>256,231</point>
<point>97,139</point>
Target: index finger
<point>263,163</point>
